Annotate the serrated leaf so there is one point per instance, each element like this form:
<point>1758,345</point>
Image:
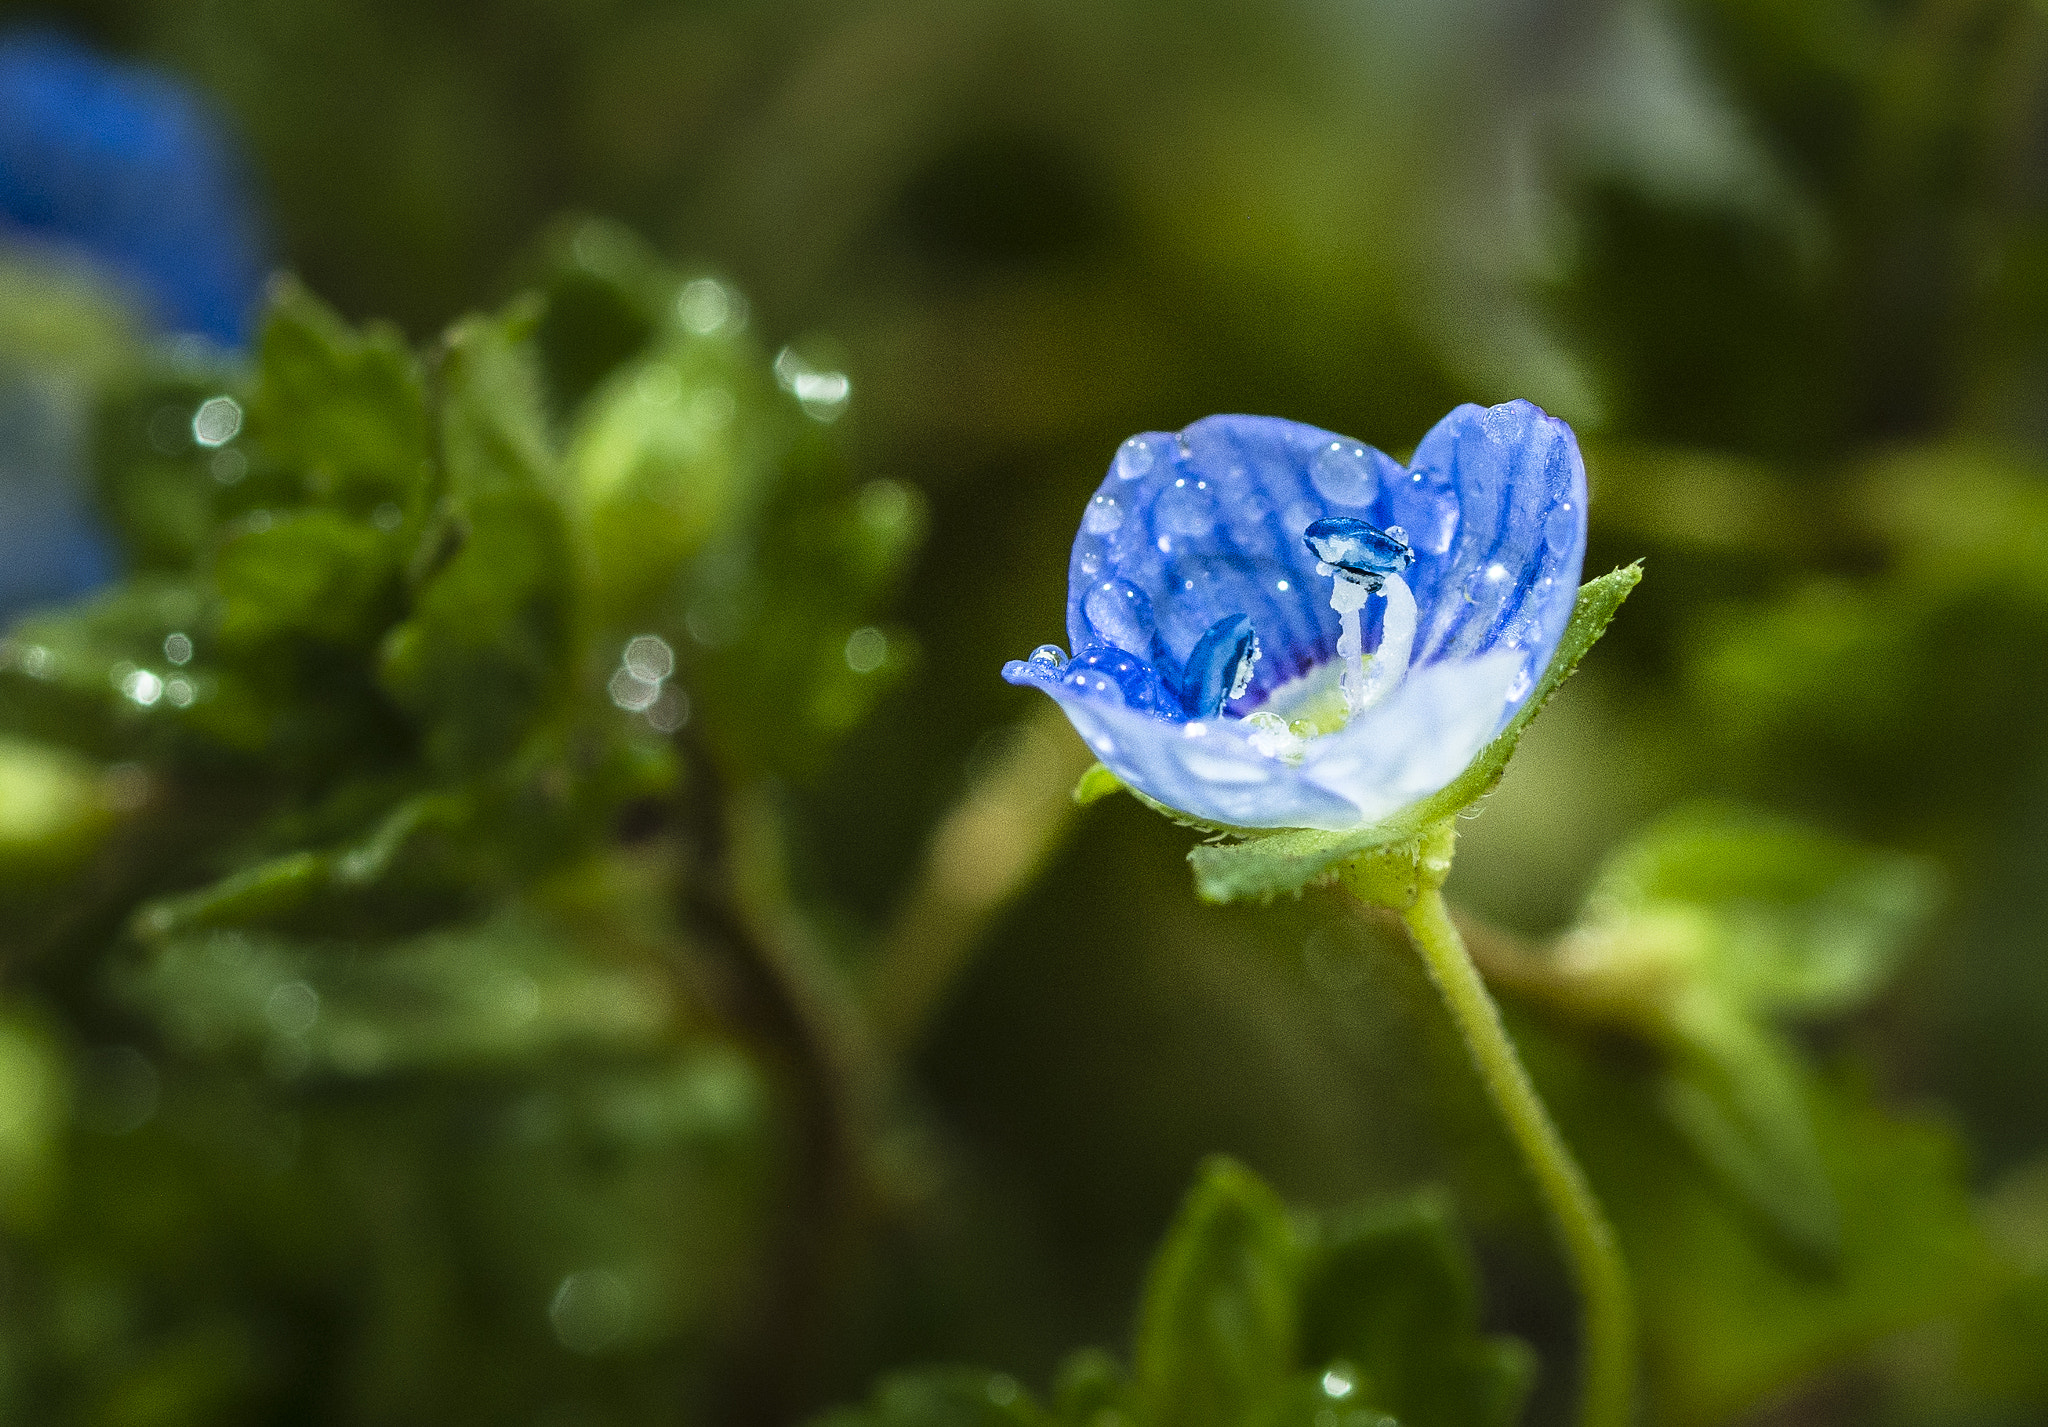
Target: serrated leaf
<point>486,652</point>
<point>346,409</point>
<point>1390,1302</point>
<point>1266,865</point>
<point>1216,1330</point>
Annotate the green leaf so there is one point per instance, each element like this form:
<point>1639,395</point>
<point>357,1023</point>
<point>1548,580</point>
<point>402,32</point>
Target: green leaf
<point>1728,1319</point>
<point>1390,1305</point>
<point>943,1397</point>
<point>1264,865</point>
<point>346,410</point>
<point>494,991</point>
<point>1215,1337</point>
<point>1732,1091</point>
<point>1793,921</point>
<point>1093,1390</point>
<point>312,574</point>
<point>487,651</point>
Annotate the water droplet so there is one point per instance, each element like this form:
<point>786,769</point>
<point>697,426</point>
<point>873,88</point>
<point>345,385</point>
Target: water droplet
<point>292,1008</point>
<point>1121,614</point>
<point>867,649</point>
<point>1501,423</point>
<point>1133,460</point>
<point>1339,1381</point>
<point>631,692</point>
<point>180,692</point>
<point>217,421</point>
<point>143,687</point>
<point>1088,555</point>
<point>1520,685</point>
<point>705,305</point>
<point>1561,530</point>
<point>1104,515</point>
<point>178,648</point>
<point>1049,656</point>
<point>1342,473</point>
<point>1486,584</point>
<point>649,656</point>
<point>591,1311</point>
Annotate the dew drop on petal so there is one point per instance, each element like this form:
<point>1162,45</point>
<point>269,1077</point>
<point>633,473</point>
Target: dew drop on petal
<point>1104,516</point>
<point>1484,585</point>
<point>1121,614</point>
<point>1342,473</point>
<point>1133,460</point>
<point>1088,555</point>
<point>1521,684</point>
<point>1562,529</point>
<point>1049,656</point>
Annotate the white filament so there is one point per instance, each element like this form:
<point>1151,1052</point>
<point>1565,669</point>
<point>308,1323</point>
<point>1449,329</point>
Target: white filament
<point>1363,688</point>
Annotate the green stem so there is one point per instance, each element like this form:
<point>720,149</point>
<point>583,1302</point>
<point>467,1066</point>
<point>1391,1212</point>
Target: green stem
<point>1608,1347</point>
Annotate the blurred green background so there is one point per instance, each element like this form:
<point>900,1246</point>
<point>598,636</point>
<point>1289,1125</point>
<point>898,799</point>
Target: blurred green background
<point>823,1036</point>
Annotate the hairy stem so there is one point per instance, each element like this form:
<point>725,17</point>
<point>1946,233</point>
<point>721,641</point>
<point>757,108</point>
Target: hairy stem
<point>1608,1346</point>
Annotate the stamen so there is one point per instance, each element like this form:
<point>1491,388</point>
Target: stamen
<point>1219,668</point>
<point>1363,560</point>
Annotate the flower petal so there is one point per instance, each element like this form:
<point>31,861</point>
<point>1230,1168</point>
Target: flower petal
<point>1495,506</point>
<point>1207,523</point>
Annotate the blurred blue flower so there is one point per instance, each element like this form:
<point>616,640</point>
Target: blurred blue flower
<point>126,170</point>
<point>114,179</point>
<point>1229,580</point>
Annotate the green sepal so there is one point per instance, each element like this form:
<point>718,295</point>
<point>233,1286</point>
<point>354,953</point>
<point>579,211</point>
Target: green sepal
<point>1266,864</point>
<point>1096,784</point>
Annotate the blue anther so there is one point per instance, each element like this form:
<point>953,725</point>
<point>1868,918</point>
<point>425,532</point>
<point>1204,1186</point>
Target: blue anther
<point>1220,668</point>
<point>1361,550</point>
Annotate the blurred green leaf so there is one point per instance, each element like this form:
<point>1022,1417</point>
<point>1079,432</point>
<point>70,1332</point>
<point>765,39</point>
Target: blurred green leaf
<point>1216,1330</point>
<point>486,651</point>
<point>943,1397</point>
<point>344,410</point>
<point>1789,921</point>
<point>316,575</point>
<point>1389,1304</point>
<point>1265,865</point>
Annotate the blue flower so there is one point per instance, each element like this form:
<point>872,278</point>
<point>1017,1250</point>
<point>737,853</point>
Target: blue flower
<point>124,168</point>
<point>122,173</point>
<point>1274,626</point>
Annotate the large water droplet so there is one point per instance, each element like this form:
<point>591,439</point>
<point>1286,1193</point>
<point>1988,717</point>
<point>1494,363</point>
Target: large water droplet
<point>1343,474</point>
<point>1133,460</point>
<point>1089,555</point>
<point>1049,656</point>
<point>1121,614</point>
<point>1104,515</point>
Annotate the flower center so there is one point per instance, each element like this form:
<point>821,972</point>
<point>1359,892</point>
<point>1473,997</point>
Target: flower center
<point>1361,561</point>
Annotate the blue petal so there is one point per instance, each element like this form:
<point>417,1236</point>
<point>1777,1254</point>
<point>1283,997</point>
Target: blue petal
<point>127,169</point>
<point>1517,484</point>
